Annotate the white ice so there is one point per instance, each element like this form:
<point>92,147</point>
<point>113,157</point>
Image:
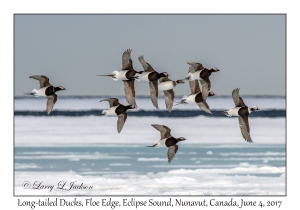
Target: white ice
<point>205,132</point>
<point>138,130</point>
<point>241,180</point>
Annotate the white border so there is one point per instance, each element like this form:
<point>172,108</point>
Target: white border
<point>9,8</point>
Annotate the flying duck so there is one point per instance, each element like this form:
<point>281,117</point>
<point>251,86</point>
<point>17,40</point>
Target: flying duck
<point>167,140</point>
<point>117,109</point>
<point>167,85</point>
<point>46,89</point>
<point>128,75</point>
<point>151,76</point>
<point>241,111</point>
<point>201,73</point>
<point>196,95</point>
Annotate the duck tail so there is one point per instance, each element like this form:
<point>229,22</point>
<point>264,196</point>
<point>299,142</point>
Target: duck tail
<point>33,92</point>
<point>28,93</point>
<point>226,113</point>
<point>182,101</point>
<point>137,77</point>
<point>112,75</point>
<point>154,145</point>
<point>188,77</point>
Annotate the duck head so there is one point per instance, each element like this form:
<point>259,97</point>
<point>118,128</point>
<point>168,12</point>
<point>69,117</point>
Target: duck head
<point>254,108</point>
<point>211,94</point>
<point>179,81</point>
<point>59,88</point>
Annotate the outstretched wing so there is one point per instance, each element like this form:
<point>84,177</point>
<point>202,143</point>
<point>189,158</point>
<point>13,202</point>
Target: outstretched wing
<point>238,101</point>
<point>196,66</point>
<point>171,152</point>
<point>165,132</point>
<point>130,92</point>
<point>245,130</point>
<point>50,102</point>
<point>169,98</point>
<point>146,66</point>
<point>204,106</point>
<point>44,81</point>
<point>154,93</point>
<point>205,89</point>
<point>207,80</point>
<point>194,84</point>
<point>126,60</point>
<point>112,101</point>
<point>121,121</point>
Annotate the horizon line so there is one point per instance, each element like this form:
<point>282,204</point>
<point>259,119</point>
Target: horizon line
<point>144,96</point>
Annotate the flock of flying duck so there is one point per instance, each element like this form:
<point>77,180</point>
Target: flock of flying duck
<point>157,81</point>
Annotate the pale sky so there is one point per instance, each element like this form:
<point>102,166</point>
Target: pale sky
<point>250,51</point>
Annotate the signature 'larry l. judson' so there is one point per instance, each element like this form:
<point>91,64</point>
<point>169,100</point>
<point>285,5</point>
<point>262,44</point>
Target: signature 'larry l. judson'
<point>62,185</point>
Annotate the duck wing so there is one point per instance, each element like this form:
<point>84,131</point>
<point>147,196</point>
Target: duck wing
<point>121,121</point>
<point>205,89</point>
<point>204,106</point>
<point>165,132</point>
<point>169,98</point>
<point>130,92</point>
<point>171,152</point>
<point>112,101</point>
<point>126,60</point>
<point>196,66</point>
<point>238,101</point>
<point>44,81</point>
<point>194,85</point>
<point>146,66</point>
<point>50,102</point>
<point>154,93</point>
<point>245,130</point>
